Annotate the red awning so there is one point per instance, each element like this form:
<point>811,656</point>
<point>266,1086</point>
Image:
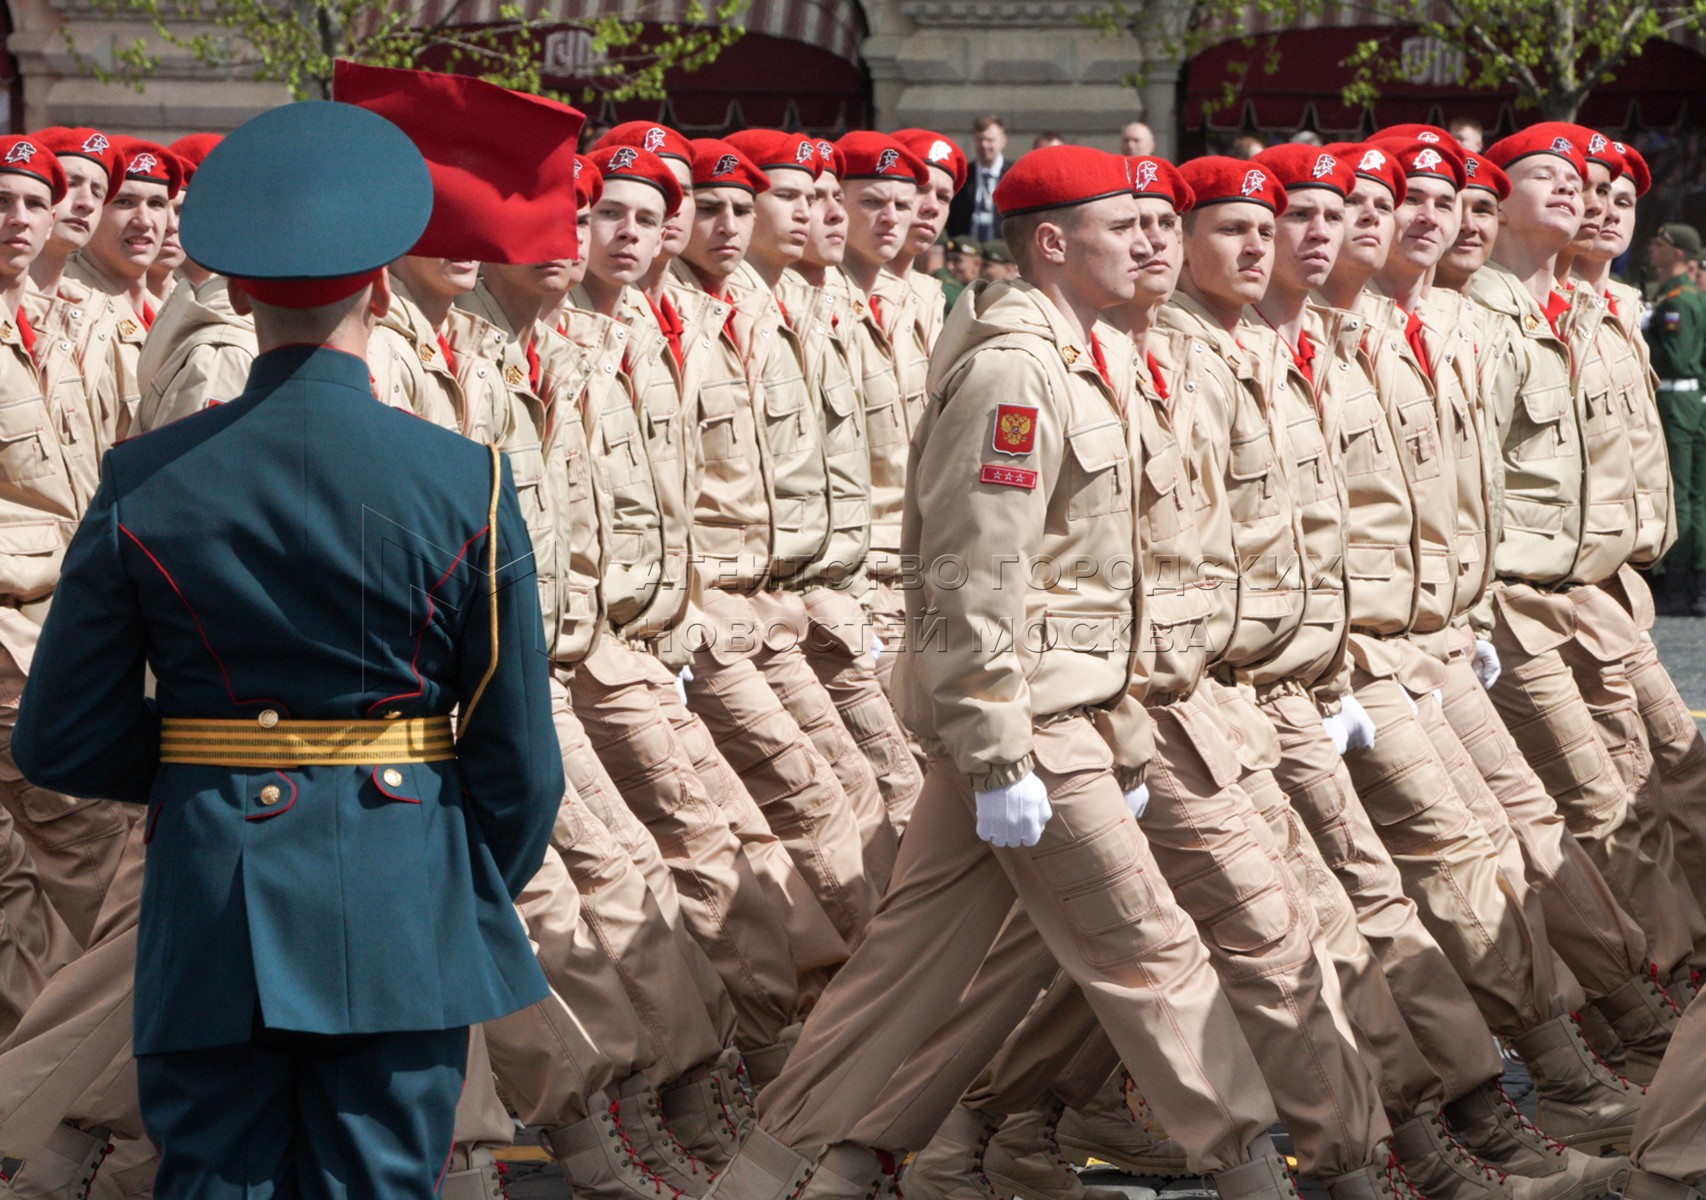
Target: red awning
<point>1651,91</point>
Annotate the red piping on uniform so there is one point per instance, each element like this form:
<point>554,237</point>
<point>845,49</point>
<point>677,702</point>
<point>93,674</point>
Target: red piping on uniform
<point>212,653</point>
<point>420,684</point>
<point>274,812</point>
<point>389,793</point>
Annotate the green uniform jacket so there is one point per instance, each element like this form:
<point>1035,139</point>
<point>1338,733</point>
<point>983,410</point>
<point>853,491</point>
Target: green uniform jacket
<point>1677,330</point>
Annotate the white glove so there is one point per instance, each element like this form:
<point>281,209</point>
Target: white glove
<point>1014,815</point>
<point>681,682</point>
<point>876,647</point>
<point>1411,701</point>
<point>1486,664</point>
<point>1350,727</point>
<point>1137,800</point>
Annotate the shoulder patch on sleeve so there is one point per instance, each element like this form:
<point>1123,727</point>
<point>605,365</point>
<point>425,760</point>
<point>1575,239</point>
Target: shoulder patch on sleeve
<point>1015,429</point>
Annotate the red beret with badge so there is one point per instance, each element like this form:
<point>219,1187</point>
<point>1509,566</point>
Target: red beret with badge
<point>589,182</point>
<point>91,144</point>
<point>1219,180</point>
<point>1549,137</point>
<point>1160,179</point>
<point>936,151</point>
<point>640,166</point>
<point>772,150</point>
<point>1431,134</point>
<point>648,135</point>
<point>191,149</point>
<point>869,155</point>
<point>1415,157</point>
<point>1479,173</point>
<point>1296,165</point>
<point>1373,163</point>
<point>149,162</point>
<point>23,155</point>
<point>717,164</point>
<point>1635,167</point>
<point>1061,177</point>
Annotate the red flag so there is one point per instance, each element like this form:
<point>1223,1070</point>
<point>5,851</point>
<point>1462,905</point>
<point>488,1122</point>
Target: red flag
<point>502,162</point>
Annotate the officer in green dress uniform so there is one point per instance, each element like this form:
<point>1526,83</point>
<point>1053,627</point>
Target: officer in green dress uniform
<point>1676,334</point>
<point>317,583</point>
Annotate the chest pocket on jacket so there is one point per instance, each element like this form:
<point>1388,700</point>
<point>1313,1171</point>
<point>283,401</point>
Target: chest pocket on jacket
<point>25,451</point>
<point>885,420</point>
<point>1539,421</point>
<point>1252,487</point>
<point>1364,438</point>
<point>720,420</point>
<point>623,457</point>
<point>1166,494</point>
<point>1099,471</point>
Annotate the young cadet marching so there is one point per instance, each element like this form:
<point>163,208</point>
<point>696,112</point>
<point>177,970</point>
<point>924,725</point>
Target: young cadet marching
<point>1554,638</point>
<point>664,379</point>
<point>772,728</point>
<point>818,301</point>
<point>945,177</point>
<point>215,1034</point>
<point>998,483</point>
<point>1679,748</point>
<point>1676,334</point>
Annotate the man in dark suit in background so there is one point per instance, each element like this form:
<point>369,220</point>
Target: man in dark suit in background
<point>972,214</point>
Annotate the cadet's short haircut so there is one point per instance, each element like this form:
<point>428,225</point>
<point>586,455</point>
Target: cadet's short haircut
<point>987,121</point>
<point>1021,230</point>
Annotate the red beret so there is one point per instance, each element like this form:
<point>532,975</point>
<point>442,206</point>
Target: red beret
<point>23,155</point>
<point>834,162</point>
<point>936,151</point>
<point>771,149</point>
<point>1416,157</point>
<point>665,143</point>
<point>1060,177</point>
<point>1217,180</point>
<point>1635,167</point>
<point>1432,134</point>
<point>640,166</point>
<point>589,183</point>
<point>871,155</point>
<point>1547,138</point>
<point>1479,173</point>
<point>1300,166</point>
<point>718,164</point>
<point>192,148</point>
<point>1372,162</point>
<point>150,163</point>
<point>91,144</point>
<point>1152,176</point>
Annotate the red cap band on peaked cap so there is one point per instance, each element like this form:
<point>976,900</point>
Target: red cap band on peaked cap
<point>502,162</point>
<point>22,155</point>
<point>1479,173</point>
<point>833,160</point>
<point>1434,159</point>
<point>648,135</point>
<point>1635,167</point>
<point>91,144</point>
<point>936,151</point>
<point>1152,176</point>
<point>1219,180</point>
<point>869,155</point>
<point>1373,162</point>
<point>307,293</point>
<point>1537,139</point>
<point>191,149</point>
<point>640,166</point>
<point>150,162</point>
<point>589,182</point>
<point>1299,166</point>
<point>718,164</point>
<point>771,149</point>
<point>1432,134</point>
<point>1061,177</point>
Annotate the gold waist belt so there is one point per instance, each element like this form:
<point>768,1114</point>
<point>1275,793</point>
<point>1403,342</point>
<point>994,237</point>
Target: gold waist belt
<point>304,743</point>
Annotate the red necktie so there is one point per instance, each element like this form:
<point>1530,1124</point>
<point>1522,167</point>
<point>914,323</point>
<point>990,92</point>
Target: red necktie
<point>1418,343</point>
<point>1100,360</point>
<point>669,321</point>
<point>1304,356</point>
<point>449,358</point>
<point>876,311</point>
<point>26,333</point>
<point>1155,376</point>
<point>1556,306</point>
<point>147,316</point>
<point>533,368</point>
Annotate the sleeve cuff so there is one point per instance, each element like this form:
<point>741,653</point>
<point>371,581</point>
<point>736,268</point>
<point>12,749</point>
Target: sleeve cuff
<point>1003,775</point>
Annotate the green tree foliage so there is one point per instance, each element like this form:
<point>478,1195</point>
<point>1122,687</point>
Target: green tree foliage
<point>294,42</point>
<point>1553,52</point>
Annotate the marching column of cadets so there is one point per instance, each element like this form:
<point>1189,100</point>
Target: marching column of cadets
<point>837,877</point>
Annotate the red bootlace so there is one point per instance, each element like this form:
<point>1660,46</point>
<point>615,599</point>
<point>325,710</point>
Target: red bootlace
<point>1552,1143</point>
<point>1469,1155</point>
<point>1628,1084</point>
<point>1653,971</point>
<point>658,1182</point>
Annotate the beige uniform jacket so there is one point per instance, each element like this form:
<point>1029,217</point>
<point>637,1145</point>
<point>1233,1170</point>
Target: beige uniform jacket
<point>928,310</point>
<point>114,349</point>
<point>463,393</point>
<point>1460,338</point>
<point>893,374</point>
<point>1021,513</point>
<point>198,354</point>
<point>1411,402</point>
<point>823,318</point>
<point>1606,399</point>
<point>1637,385</point>
<point>51,442</point>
